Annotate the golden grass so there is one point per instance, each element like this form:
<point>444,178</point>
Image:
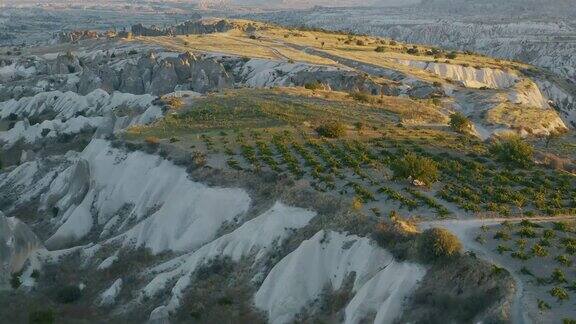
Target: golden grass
<point>280,43</point>
<point>521,117</point>
<point>234,42</point>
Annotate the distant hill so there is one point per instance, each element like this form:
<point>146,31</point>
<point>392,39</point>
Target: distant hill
<point>306,3</point>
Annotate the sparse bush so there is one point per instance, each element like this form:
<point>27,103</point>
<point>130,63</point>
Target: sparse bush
<point>542,305</point>
<point>539,250</point>
<point>560,293</point>
<point>68,294</point>
<point>460,123</point>
<point>416,167</point>
<point>152,140</point>
<point>513,150</point>
<point>558,276</point>
<point>15,281</point>
<point>452,55</point>
<point>564,260</point>
<point>357,203</point>
<point>562,226</point>
<point>359,125</point>
<point>361,96</point>
<point>331,129</point>
<point>313,86</point>
<point>360,42</point>
<point>174,102</point>
<point>199,158</point>
<point>42,317</point>
<point>526,232</point>
<point>437,243</point>
<point>380,49</point>
<point>502,235</point>
<point>412,51</point>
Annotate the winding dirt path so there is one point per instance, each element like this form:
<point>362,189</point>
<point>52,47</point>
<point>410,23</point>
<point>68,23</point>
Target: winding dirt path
<point>523,310</point>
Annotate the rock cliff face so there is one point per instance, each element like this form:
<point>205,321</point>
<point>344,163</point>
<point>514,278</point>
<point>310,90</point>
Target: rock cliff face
<point>152,75</point>
<point>329,259</point>
<point>17,242</point>
<point>193,26</point>
<point>470,77</point>
<point>159,73</point>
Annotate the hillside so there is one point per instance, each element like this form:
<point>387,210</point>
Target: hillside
<point>232,170</point>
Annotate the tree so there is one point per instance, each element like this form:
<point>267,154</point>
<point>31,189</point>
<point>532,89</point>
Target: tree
<point>331,129</point>
<point>437,244</point>
<point>513,150</point>
<point>69,294</point>
<point>416,167</point>
<point>460,123</point>
<point>452,55</point>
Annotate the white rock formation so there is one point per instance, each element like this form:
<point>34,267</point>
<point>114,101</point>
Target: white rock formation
<point>17,243</point>
<point>138,196</point>
<point>326,261</point>
<point>108,297</point>
<point>470,77</point>
<point>66,105</point>
<point>254,238</point>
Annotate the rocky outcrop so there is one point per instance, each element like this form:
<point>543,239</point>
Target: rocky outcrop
<point>193,26</point>
<point>76,35</point>
<point>64,64</point>
<point>157,76</point>
<point>469,77</point>
<point>17,243</point>
<point>260,73</point>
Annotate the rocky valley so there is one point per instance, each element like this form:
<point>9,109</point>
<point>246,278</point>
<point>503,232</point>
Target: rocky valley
<point>219,170</point>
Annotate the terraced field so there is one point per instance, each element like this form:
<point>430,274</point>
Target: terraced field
<point>277,131</point>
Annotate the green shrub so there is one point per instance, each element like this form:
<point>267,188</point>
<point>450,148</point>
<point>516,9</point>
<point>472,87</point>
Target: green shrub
<point>380,49</point>
<point>361,96</point>
<point>502,235</point>
<point>417,167</point>
<point>452,55</point>
<point>313,86</point>
<point>68,294</point>
<point>460,123</point>
<point>560,293</point>
<point>331,129</point>
<point>15,281</point>
<point>526,232</point>
<point>512,150</point>
<point>564,260</point>
<point>539,250</point>
<point>438,243</point>
<point>542,305</point>
<point>558,276</point>
<point>42,317</point>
